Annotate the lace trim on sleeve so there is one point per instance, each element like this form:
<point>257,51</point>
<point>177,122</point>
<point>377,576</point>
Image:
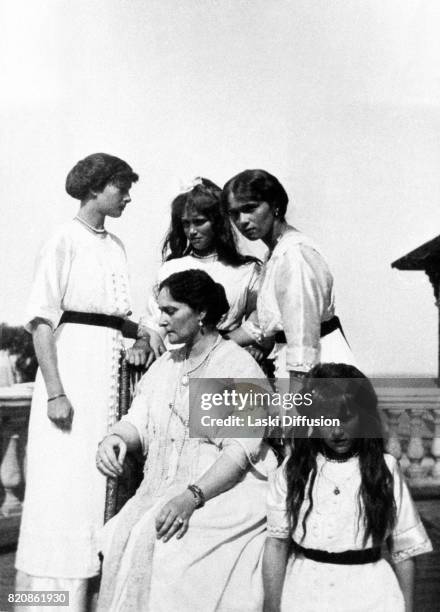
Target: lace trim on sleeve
<point>274,531</point>
<point>413,551</point>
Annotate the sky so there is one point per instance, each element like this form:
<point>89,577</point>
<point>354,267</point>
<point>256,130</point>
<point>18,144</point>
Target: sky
<point>340,100</point>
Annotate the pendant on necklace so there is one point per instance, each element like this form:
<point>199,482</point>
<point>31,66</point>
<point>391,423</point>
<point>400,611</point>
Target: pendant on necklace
<point>185,380</point>
<point>336,491</point>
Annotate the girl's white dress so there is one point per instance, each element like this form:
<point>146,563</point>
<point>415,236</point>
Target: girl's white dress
<point>240,284</point>
<point>296,295</point>
<point>64,500</point>
<point>216,566</point>
<point>334,525</point>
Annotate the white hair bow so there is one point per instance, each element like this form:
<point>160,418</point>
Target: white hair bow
<point>188,186</point>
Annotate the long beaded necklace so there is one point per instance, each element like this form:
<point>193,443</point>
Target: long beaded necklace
<point>183,381</point>
<point>205,358</point>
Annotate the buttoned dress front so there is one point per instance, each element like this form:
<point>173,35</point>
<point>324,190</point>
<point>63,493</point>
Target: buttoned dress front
<point>335,525</point>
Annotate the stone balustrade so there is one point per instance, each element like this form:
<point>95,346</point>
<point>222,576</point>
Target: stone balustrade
<point>14,417</point>
<point>411,418</point>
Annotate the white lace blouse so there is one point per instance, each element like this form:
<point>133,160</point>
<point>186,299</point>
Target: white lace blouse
<point>240,284</point>
<point>296,295</point>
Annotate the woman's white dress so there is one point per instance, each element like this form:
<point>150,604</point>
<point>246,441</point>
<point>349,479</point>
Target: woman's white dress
<point>333,525</point>
<point>217,564</point>
<point>240,284</point>
<point>64,501</point>
<point>296,295</point>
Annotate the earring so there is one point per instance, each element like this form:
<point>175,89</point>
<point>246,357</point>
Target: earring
<point>200,323</point>
<point>276,212</point>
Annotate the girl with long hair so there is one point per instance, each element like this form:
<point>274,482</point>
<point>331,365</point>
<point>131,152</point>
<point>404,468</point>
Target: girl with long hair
<point>334,502</point>
<point>201,237</point>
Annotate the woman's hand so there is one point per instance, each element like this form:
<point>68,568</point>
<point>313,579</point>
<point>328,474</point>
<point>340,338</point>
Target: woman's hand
<point>144,351</point>
<point>110,456</point>
<point>138,353</point>
<point>256,351</point>
<point>157,345</point>
<point>173,518</point>
<point>60,412</point>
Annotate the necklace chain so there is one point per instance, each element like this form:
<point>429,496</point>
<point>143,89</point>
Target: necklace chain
<point>337,487</point>
<point>185,377</point>
<point>96,230</point>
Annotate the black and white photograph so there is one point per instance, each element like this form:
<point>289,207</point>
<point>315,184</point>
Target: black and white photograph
<point>220,305</point>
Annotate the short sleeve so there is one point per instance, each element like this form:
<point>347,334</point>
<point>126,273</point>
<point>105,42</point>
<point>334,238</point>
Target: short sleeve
<point>302,284</point>
<point>409,537</point>
<point>277,520</point>
<point>243,451</point>
<point>139,412</point>
<point>150,318</point>
<point>252,290</point>
<point>50,282</point>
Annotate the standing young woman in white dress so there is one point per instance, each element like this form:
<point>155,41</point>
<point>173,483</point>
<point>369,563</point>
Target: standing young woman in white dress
<point>296,302</point>
<point>77,311</point>
<point>201,237</point>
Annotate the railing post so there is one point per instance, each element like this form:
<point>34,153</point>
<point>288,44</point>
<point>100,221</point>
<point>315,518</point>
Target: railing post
<point>435,446</point>
<point>416,449</point>
<point>10,476</point>
<point>394,447</point>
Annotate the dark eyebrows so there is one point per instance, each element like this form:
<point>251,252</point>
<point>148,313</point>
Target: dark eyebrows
<point>166,309</point>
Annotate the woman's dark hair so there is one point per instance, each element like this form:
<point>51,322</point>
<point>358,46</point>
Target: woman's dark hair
<point>345,388</point>
<point>205,198</point>
<point>199,291</point>
<point>257,186</point>
<point>96,171</point>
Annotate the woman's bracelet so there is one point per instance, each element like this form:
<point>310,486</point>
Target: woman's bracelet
<point>198,494</point>
<point>54,397</point>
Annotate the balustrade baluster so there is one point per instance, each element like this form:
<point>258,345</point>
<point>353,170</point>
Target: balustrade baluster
<point>393,446</point>
<point>10,475</point>
<point>416,450</point>
<point>435,446</point>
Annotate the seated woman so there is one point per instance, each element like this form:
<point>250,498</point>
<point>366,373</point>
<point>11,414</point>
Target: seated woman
<point>192,536</point>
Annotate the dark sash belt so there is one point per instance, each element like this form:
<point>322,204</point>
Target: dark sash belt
<point>326,328</point>
<point>128,328</point>
<point>348,557</point>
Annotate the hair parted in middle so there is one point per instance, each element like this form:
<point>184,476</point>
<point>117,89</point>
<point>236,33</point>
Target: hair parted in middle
<point>200,292</point>
<point>204,198</point>
<point>345,391</point>
<point>258,186</point>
